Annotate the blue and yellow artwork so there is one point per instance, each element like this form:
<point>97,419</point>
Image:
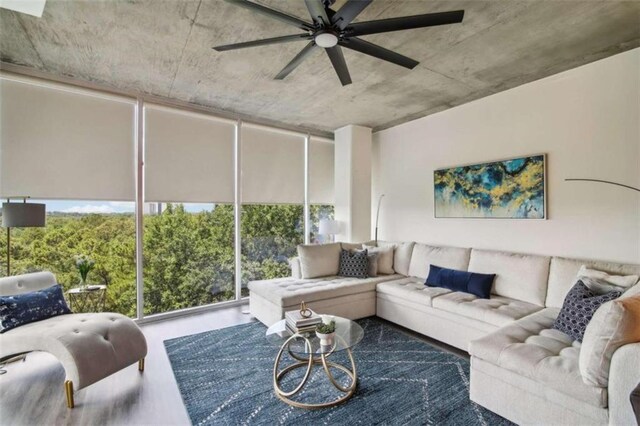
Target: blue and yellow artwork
<point>510,189</point>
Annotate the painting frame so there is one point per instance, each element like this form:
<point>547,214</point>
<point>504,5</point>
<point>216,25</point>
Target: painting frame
<point>490,162</point>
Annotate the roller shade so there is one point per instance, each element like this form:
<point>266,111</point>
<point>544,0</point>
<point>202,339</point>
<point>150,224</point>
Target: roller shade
<point>321,166</point>
<point>272,166</point>
<point>65,143</point>
<point>189,157</point>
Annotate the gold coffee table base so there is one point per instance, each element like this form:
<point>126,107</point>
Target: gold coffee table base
<point>308,363</point>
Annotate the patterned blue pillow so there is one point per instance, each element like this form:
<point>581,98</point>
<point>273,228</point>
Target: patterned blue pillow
<point>578,308</point>
<point>354,263</point>
<point>30,307</point>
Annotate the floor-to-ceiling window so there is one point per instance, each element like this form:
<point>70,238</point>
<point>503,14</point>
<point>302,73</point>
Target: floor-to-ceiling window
<point>320,187</point>
<point>272,216</point>
<point>188,247</point>
<point>72,150</point>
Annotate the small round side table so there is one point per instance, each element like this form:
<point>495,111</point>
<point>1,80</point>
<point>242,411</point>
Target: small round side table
<point>87,299</point>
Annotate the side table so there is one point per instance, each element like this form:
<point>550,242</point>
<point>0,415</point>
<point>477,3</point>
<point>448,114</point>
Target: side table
<point>88,299</point>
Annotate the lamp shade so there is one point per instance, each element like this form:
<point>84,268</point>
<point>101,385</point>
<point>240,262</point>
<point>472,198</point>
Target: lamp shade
<point>23,215</point>
<point>329,227</point>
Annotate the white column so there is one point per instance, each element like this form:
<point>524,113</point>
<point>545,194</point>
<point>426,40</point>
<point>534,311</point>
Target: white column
<point>353,182</point>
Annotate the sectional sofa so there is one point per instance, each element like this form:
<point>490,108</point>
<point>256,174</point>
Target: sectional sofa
<point>521,368</point>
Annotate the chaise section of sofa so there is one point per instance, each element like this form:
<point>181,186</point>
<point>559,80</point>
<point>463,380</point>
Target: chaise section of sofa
<point>351,298</point>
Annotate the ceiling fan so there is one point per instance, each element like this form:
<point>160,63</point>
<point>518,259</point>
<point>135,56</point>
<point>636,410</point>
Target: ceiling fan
<point>331,30</point>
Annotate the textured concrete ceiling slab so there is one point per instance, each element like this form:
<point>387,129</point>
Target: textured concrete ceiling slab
<point>163,47</point>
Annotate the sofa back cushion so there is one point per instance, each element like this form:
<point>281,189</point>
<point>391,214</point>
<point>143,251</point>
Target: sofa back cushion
<point>319,260</point>
<point>26,283</point>
<point>613,325</point>
<point>424,255</point>
<point>401,255</point>
<point>563,272</point>
<point>518,276</point>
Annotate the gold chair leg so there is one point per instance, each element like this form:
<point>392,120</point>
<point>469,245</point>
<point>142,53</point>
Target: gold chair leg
<point>68,388</point>
<point>141,364</point>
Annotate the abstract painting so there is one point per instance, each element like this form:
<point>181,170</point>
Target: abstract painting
<point>509,189</point>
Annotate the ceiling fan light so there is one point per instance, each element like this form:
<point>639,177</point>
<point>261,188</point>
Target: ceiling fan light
<point>326,40</point>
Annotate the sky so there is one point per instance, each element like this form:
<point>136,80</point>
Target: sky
<point>105,207</point>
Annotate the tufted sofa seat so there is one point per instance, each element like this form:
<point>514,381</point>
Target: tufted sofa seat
<point>89,346</point>
<point>531,348</point>
<point>498,310</point>
<point>347,297</point>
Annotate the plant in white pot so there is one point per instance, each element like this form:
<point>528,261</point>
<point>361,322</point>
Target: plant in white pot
<point>326,331</point>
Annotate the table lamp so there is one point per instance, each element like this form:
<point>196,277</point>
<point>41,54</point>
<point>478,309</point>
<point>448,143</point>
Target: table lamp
<point>329,227</point>
<point>20,215</point>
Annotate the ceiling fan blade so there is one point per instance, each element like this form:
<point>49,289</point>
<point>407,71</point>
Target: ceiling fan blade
<point>405,23</point>
<point>300,57</point>
<point>265,41</point>
<point>275,14</point>
<point>339,64</point>
<point>348,12</point>
<point>379,52</point>
<point>318,12</point>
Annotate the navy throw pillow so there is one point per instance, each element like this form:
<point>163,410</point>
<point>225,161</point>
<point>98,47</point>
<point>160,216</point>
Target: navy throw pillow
<point>30,307</point>
<point>468,282</point>
<point>354,263</point>
<point>578,308</point>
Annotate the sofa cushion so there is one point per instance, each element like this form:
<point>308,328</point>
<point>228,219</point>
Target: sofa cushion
<point>518,276</point>
<point>319,260</point>
<point>497,311</point>
<point>354,263</point>
<point>356,246</point>
<point>291,291</point>
<point>563,272</point>
<point>578,309</point>
<point>412,290</point>
<point>469,282</point>
<point>385,258</point>
<point>38,305</point>
<point>614,324</point>
<point>424,255</point>
<point>401,255</point>
<point>532,348</point>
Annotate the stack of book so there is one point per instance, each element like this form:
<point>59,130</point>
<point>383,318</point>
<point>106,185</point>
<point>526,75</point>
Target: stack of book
<point>296,323</point>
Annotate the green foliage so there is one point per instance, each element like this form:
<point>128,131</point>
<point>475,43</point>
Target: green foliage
<point>326,328</point>
<point>189,258</point>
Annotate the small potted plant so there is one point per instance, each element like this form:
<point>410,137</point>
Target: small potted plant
<point>326,331</point>
<point>84,264</point>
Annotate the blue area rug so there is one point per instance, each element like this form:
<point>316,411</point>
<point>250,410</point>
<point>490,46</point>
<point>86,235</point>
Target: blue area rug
<point>225,377</point>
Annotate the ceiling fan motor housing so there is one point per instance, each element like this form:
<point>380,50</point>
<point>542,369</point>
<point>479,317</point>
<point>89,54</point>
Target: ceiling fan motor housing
<point>326,38</point>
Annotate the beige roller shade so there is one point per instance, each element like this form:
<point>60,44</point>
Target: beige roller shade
<point>272,166</point>
<point>321,166</point>
<point>65,143</point>
<point>189,157</point>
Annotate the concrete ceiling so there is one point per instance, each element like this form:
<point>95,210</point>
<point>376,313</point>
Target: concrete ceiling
<point>163,47</point>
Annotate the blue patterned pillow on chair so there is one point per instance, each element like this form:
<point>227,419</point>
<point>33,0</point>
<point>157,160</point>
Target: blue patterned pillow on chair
<point>38,305</point>
<point>354,263</point>
<point>578,308</point>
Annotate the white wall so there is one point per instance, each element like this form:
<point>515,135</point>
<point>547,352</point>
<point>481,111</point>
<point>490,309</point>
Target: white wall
<point>587,121</point>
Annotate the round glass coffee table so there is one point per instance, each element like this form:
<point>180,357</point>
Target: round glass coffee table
<point>307,352</point>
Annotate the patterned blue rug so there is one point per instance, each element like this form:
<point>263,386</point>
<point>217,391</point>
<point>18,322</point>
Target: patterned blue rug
<point>225,377</point>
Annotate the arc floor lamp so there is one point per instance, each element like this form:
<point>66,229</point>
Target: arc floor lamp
<point>20,215</point>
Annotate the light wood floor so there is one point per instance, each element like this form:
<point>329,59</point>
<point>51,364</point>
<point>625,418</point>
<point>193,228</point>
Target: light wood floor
<point>31,392</point>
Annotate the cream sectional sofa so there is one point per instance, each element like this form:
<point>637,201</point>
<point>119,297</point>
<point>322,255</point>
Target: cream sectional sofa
<point>521,368</point>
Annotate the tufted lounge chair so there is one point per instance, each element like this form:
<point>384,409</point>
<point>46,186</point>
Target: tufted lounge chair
<point>90,346</point>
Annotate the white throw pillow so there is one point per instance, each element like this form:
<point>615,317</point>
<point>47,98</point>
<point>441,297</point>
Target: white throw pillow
<point>401,256</point>
<point>385,258</point>
<point>613,325</point>
<point>319,260</point>
<point>625,281</point>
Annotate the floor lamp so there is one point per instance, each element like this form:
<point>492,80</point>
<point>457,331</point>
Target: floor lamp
<point>20,215</point>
